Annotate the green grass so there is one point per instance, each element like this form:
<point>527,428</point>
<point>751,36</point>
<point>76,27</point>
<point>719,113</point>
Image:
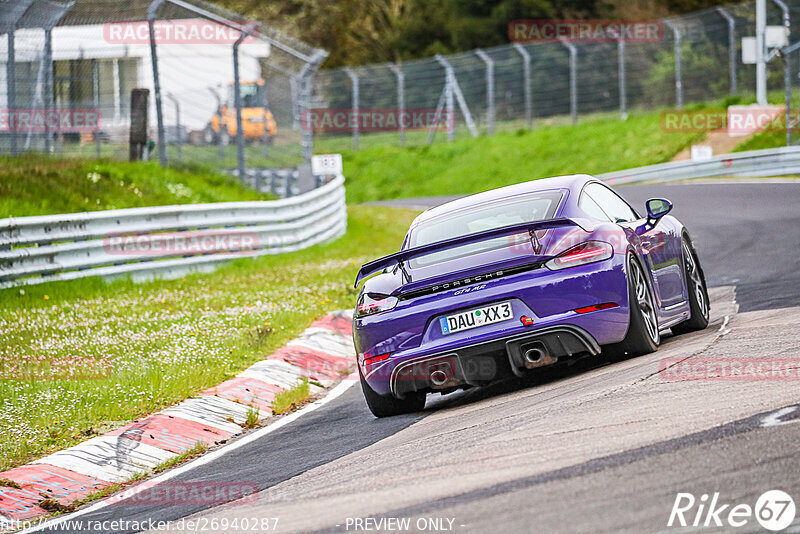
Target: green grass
<point>159,342</point>
<point>39,185</point>
<point>198,449</point>
<point>287,401</point>
<point>474,165</point>
<point>252,417</point>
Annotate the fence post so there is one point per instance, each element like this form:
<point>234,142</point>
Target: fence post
<point>48,86</point>
<point>731,48</point>
<point>401,99</point>
<point>526,72</point>
<point>573,79</point>
<point>623,88</point>
<point>237,102</point>
<point>306,76</point>
<point>295,104</point>
<point>354,81</point>
<point>162,142</point>
<point>449,104</point>
<point>11,84</point>
<point>264,133</point>
<point>453,89</point>
<point>96,101</point>
<point>787,75</point>
<point>221,148</point>
<point>490,117</point>
<point>177,124</point>
<point>678,59</point>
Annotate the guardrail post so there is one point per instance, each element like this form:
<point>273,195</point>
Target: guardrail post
<point>490,113</point>
<point>623,86</point>
<point>162,142</point>
<point>237,100</point>
<point>678,37</point>
<point>732,59</point>
<point>354,105</point>
<point>401,99</point>
<point>573,79</point>
<point>177,124</point>
<point>526,73</point>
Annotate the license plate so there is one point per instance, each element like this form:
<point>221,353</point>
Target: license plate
<point>491,314</point>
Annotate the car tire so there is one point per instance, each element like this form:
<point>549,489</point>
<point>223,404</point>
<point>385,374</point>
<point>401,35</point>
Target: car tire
<point>388,405</point>
<point>643,336</point>
<point>698,292</point>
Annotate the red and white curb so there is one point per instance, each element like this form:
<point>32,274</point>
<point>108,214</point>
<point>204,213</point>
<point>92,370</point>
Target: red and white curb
<point>323,353</point>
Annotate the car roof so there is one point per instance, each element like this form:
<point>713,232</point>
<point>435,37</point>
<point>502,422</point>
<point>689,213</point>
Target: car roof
<point>571,182</point>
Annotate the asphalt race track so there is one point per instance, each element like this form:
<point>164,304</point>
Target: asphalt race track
<point>592,448</point>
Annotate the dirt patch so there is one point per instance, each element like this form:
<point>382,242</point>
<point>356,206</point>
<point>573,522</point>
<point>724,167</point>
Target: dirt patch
<point>719,141</point>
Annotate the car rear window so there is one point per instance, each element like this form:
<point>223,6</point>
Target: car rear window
<point>531,208</point>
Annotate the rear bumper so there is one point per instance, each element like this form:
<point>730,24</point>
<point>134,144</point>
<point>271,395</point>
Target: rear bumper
<point>482,363</point>
<point>411,331</point>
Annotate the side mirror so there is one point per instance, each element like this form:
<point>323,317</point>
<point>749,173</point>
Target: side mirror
<point>657,208</point>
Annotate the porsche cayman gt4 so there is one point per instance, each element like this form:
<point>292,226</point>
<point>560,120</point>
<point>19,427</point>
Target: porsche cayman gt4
<point>515,279</point>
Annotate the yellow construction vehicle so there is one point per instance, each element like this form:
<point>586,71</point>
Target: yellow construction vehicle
<point>256,118</point>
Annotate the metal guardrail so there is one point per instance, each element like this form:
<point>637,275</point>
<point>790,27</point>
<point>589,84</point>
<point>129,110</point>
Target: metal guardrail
<point>282,183</point>
<point>166,241</point>
<point>771,162</point>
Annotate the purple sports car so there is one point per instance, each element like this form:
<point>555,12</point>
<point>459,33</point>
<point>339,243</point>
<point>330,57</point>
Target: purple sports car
<point>499,283</point>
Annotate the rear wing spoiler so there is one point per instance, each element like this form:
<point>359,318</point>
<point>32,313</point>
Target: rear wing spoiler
<point>399,258</point>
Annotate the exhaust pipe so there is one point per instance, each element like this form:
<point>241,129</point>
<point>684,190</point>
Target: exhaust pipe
<point>438,378</point>
<point>535,355</point>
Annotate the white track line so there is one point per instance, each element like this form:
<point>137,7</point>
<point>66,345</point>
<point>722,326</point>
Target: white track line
<point>346,384</point>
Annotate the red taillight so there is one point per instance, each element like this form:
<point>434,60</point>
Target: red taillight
<point>597,307</point>
<point>588,252</point>
<point>367,305</point>
<point>526,321</point>
<point>375,359</point>
<point>582,255</point>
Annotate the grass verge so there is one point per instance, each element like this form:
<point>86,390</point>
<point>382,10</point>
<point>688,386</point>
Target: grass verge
<point>290,400</point>
<point>113,352</point>
<point>38,185</point>
<point>474,165</point>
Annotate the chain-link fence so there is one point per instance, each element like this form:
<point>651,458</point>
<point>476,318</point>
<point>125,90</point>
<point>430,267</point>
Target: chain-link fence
<point>697,58</point>
<point>70,70</point>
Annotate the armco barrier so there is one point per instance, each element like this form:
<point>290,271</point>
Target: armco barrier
<point>771,162</point>
<point>62,247</point>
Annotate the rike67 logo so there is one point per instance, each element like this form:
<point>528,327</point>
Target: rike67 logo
<point>774,510</point>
